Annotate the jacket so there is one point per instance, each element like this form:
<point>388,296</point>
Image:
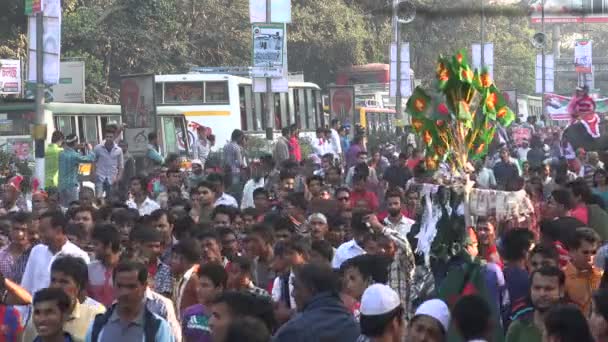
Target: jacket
<point>324,318</point>
<point>156,329</point>
<point>281,150</point>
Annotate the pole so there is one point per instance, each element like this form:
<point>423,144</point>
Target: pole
<point>269,94</point>
<point>483,33</point>
<point>39,131</point>
<point>397,32</point>
<point>542,21</point>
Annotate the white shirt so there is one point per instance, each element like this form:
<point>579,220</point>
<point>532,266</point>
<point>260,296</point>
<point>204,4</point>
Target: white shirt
<point>248,189</point>
<point>335,142</point>
<point>403,227</point>
<point>108,164</point>
<point>226,199</point>
<point>276,290</point>
<point>522,153</point>
<point>37,274</point>
<point>146,208</point>
<point>485,178</point>
<point>320,147</point>
<point>347,250</point>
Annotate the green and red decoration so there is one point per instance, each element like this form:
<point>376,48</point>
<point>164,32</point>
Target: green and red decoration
<point>457,122</point>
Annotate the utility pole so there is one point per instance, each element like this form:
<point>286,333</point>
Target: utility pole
<point>483,34</point>
<point>542,29</point>
<point>269,94</point>
<point>39,132</point>
<point>397,39</point>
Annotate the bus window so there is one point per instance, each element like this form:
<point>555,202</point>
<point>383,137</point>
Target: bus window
<point>65,124</point>
<point>169,135</point>
<point>216,92</point>
<point>243,108</point>
<point>301,118</point>
<point>259,112</point>
<point>278,120</point>
<point>183,93</point>
<point>284,113</point>
<point>291,111</point>
<point>250,107</point>
<point>159,93</point>
<point>89,124</point>
<point>310,109</point>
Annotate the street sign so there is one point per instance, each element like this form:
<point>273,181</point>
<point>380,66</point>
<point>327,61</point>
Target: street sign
<point>268,50</point>
<point>10,76</point>
<point>138,108</point>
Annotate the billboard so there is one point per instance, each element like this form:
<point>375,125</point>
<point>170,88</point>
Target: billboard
<point>557,106</point>
<point>268,50</point>
<point>342,104</point>
<point>10,76</point>
<point>138,108</point>
<point>51,43</point>
<point>569,11</point>
<point>71,83</point>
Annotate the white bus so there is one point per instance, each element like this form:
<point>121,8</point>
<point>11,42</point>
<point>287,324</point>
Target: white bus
<point>226,102</point>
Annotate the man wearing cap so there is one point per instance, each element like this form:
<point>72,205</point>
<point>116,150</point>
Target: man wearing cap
<point>196,175</point>
<point>69,160</point>
<point>381,315</point>
<point>430,322</point>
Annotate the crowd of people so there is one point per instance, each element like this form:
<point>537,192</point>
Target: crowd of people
<point>294,248</point>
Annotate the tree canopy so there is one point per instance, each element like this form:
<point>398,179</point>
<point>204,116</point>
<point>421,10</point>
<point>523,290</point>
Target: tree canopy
<point>117,37</point>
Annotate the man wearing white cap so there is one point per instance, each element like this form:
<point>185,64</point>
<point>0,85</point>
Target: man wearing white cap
<point>430,322</point>
<point>381,315</point>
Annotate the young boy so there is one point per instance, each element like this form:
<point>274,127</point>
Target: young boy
<point>51,311</point>
<point>582,277</point>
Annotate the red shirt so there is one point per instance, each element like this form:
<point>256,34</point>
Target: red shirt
<point>294,149</point>
<point>580,213</point>
<point>492,255</point>
<point>369,197</point>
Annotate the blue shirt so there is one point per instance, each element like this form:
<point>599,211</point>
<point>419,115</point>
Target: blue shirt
<point>69,160</point>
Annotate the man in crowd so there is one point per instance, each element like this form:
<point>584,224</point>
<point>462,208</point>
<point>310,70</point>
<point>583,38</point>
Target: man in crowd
<point>547,289</point>
<point>69,161</point>
<point>130,281</point>
<point>51,160</point>
<point>139,197</point>
<point>109,163</point>
<point>51,311</point>
<point>106,242</point>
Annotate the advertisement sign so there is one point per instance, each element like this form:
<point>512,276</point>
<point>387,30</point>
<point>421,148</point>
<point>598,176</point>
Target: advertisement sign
<point>138,108</point>
<point>71,88</point>
<point>268,49</point>
<point>557,106</point>
<point>488,56</point>
<point>51,46</point>
<point>549,73</point>
<point>342,103</point>
<point>280,11</point>
<point>33,6</point>
<point>520,134</point>
<point>569,11</point>
<point>406,78</point>
<point>583,59</point>
<point>10,76</point>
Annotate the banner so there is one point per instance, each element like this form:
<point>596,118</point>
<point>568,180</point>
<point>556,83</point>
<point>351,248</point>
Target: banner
<point>406,75</point>
<point>488,56</point>
<point>521,133</point>
<point>569,11</point>
<point>342,104</point>
<point>10,76</point>
<point>138,108</point>
<point>280,11</point>
<point>51,46</point>
<point>549,74</point>
<point>268,50</point>
<point>583,59</point>
<point>556,106</point>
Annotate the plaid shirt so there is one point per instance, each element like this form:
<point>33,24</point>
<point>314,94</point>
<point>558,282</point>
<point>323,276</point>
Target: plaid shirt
<point>13,267</point>
<point>233,157</point>
<point>401,270</point>
<point>163,280</point>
